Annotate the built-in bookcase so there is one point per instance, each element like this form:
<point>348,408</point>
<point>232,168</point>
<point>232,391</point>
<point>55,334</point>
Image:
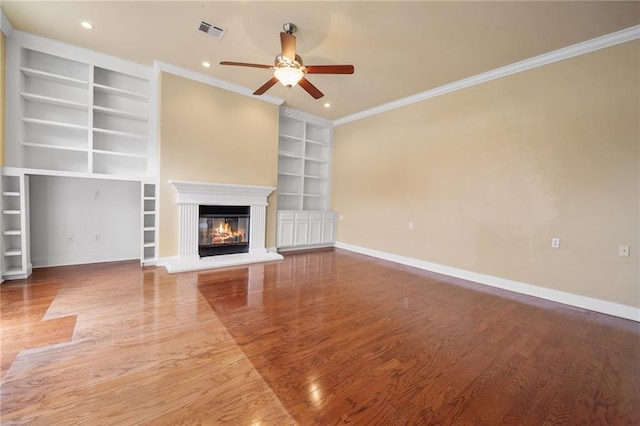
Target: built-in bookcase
<point>79,117</point>
<point>303,162</point>
<point>15,246</point>
<point>304,171</point>
<point>74,113</point>
<point>149,224</point>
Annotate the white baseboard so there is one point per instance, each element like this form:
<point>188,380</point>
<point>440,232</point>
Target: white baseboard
<point>597,305</point>
<point>80,259</point>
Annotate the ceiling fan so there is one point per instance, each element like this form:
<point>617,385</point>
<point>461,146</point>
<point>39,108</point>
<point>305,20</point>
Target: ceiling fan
<point>289,69</point>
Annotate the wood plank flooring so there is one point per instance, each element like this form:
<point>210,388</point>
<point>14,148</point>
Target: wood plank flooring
<point>325,337</point>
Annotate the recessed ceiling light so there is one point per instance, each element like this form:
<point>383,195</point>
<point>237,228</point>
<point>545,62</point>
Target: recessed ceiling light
<point>87,25</point>
<point>206,64</point>
<point>327,105</point>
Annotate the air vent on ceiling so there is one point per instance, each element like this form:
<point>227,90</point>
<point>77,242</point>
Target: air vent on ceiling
<point>210,30</point>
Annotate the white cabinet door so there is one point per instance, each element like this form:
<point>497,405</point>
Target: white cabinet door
<point>315,232</point>
<point>285,233</point>
<point>328,231</point>
<point>301,233</point>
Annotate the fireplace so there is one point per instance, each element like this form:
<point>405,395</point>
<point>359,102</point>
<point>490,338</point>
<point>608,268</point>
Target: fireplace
<point>191,196</point>
<point>223,230</point>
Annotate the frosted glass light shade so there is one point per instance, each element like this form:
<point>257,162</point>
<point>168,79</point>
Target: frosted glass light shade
<point>288,76</point>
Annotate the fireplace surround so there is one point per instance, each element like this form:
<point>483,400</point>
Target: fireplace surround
<point>192,195</point>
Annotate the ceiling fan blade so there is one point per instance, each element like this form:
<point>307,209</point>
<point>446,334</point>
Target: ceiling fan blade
<point>329,69</point>
<point>244,64</point>
<point>268,85</point>
<point>288,42</point>
<point>310,88</point>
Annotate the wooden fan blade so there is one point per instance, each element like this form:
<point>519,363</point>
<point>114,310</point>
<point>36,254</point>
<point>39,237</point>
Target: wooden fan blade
<point>268,85</point>
<point>244,64</point>
<point>310,88</point>
<point>329,69</point>
<point>288,42</point>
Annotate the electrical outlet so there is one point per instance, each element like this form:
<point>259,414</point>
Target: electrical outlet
<point>555,242</point>
<point>96,194</point>
<point>410,225</point>
<point>623,251</point>
<point>97,237</point>
<point>341,217</point>
<point>70,238</point>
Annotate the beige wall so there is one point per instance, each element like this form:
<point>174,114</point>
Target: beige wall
<point>489,174</point>
<point>213,135</point>
<point>2,102</point>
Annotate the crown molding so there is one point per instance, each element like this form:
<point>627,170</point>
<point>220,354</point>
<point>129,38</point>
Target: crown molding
<point>618,37</point>
<point>5,25</point>
<point>212,81</point>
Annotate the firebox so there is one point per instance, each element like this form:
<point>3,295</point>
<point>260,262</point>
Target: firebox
<point>223,230</point>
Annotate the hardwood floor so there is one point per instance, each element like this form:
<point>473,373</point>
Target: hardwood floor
<point>325,337</point>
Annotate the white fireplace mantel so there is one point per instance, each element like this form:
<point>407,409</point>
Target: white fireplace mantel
<point>190,195</point>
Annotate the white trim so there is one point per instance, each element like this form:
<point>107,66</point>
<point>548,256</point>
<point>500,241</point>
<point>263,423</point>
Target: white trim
<point>81,54</point>
<point>5,25</point>
<point>584,302</point>
<point>622,36</point>
<point>221,193</point>
<point>304,116</point>
<point>211,81</point>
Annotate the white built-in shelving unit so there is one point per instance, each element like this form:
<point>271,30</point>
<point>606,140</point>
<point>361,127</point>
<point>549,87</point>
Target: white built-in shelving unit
<point>76,113</point>
<point>79,117</point>
<point>303,162</point>
<point>149,224</point>
<point>15,245</point>
<point>304,171</point>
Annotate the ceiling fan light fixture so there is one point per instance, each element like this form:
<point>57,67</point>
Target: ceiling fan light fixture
<point>288,76</point>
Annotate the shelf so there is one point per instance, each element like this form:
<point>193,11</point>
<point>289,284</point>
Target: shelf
<point>10,194</point>
<point>317,160</point>
<point>290,174</point>
<point>313,195</point>
<point>53,101</point>
<point>48,146</point>
<point>56,78</point>
<point>13,271</point>
<point>52,123</point>
<point>12,232</point>
<point>13,252</point>
<point>314,177</point>
<point>121,154</point>
<point>120,113</point>
<point>289,155</point>
<point>149,213</point>
<point>316,142</point>
<point>149,244</point>
<point>283,135</point>
<point>121,92</point>
<point>291,194</point>
<point>149,198</point>
<point>16,212</point>
<point>149,228</point>
<point>119,133</point>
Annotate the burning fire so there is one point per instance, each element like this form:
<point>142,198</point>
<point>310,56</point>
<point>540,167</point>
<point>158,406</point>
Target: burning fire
<point>223,234</point>
<point>221,231</point>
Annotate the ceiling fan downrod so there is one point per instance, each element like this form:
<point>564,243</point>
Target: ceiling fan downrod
<point>289,28</point>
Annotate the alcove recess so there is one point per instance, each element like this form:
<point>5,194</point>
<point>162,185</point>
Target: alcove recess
<point>79,114</point>
<point>304,171</point>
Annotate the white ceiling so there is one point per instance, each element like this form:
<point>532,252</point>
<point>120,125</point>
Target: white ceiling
<point>398,48</point>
